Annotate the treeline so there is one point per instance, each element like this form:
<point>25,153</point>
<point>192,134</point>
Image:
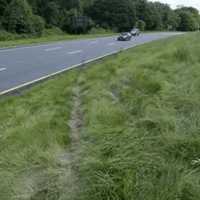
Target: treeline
<point>80,16</point>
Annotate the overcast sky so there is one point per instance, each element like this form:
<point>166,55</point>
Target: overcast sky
<point>174,3</point>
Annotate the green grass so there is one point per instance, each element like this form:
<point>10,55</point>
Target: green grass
<point>51,37</point>
<point>33,132</point>
<point>140,135</point>
<point>142,118</point>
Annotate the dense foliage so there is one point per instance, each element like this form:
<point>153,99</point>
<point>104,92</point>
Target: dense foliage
<point>79,16</point>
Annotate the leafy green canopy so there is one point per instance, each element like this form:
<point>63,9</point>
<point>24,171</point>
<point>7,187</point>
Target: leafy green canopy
<point>18,18</point>
<point>120,15</point>
<point>189,19</point>
<point>79,16</point>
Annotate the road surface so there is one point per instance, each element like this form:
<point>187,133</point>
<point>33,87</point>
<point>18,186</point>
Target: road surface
<point>22,66</point>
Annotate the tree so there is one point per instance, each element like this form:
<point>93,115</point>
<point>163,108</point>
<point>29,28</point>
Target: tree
<point>153,17</point>
<point>38,25</point>
<point>18,18</point>
<point>189,19</point>
<point>141,25</point>
<point>51,13</point>
<point>77,16</point>
<point>85,4</point>
<point>70,4</point>
<point>114,14</point>
<point>3,5</point>
<point>75,22</point>
<point>187,22</point>
<point>172,21</point>
<point>141,7</point>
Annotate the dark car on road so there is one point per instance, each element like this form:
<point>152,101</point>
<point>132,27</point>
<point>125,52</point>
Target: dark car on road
<point>135,32</point>
<point>124,37</point>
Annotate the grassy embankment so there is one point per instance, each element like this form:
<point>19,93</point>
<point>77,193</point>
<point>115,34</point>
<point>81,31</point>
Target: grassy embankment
<point>139,131</point>
<point>34,131</point>
<point>12,40</point>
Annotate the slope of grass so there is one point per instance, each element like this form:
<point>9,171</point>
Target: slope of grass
<point>140,130</point>
<point>33,132</point>
<point>142,118</point>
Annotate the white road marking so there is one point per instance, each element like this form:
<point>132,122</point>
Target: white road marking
<point>75,52</point>
<point>2,69</point>
<point>14,48</point>
<point>54,74</point>
<point>111,44</point>
<point>64,70</point>
<point>53,49</point>
<point>8,49</point>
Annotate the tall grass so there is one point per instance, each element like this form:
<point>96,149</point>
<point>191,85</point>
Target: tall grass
<point>140,130</point>
<point>141,134</point>
<point>33,133</point>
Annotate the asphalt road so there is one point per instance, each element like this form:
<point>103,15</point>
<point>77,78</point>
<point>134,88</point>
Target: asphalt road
<point>24,65</point>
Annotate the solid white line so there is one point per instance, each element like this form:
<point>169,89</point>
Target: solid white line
<point>64,70</point>
<point>2,69</point>
<point>60,72</point>
<point>75,52</point>
<point>56,73</point>
<point>53,49</point>
<point>14,48</point>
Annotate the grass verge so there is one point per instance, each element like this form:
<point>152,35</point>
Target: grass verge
<point>51,37</point>
<point>139,134</point>
<point>34,131</point>
<point>142,116</point>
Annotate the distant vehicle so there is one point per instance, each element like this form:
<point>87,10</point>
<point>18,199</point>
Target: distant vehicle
<point>135,32</point>
<point>124,37</point>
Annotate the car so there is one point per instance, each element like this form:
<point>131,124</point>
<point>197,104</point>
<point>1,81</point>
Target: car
<point>124,37</point>
<point>135,32</point>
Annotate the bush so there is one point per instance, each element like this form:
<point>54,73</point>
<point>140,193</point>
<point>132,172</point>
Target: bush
<point>4,35</point>
<point>53,31</point>
<point>141,25</point>
<point>1,26</point>
<point>187,22</point>
<point>51,14</point>
<point>38,25</point>
<point>98,30</point>
<point>18,18</point>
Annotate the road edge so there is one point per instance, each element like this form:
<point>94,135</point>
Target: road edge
<point>30,83</point>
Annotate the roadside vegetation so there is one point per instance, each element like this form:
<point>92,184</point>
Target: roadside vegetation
<point>49,35</point>
<point>34,133</point>
<point>139,129</point>
<point>29,20</point>
<point>141,132</point>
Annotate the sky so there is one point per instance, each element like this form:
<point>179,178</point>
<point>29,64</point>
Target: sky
<point>174,3</point>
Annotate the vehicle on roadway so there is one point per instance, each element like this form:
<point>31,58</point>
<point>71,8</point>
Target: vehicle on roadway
<point>124,37</point>
<point>135,32</point>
